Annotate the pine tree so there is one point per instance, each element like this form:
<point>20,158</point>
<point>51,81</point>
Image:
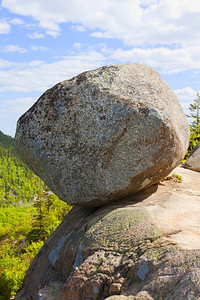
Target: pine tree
<point>195,125</point>
<point>195,112</point>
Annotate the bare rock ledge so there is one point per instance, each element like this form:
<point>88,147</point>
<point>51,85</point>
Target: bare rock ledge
<point>147,247</point>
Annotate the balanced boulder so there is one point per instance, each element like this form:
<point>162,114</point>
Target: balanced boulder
<point>104,134</point>
<point>193,162</point>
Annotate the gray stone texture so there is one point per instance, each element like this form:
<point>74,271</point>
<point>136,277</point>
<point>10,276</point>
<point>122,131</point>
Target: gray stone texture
<point>147,247</point>
<point>104,134</point>
<point>193,162</point>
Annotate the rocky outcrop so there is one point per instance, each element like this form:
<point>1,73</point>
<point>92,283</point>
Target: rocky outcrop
<point>193,162</point>
<point>109,136</point>
<point>144,247</point>
<point>104,134</point>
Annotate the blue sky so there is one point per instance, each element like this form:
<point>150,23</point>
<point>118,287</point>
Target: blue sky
<point>43,42</point>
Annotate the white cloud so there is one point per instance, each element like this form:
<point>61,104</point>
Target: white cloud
<point>38,75</point>
<point>54,33</point>
<point>18,105</point>
<point>77,46</point>
<point>78,28</point>
<point>14,48</point>
<point>6,64</point>
<point>4,28</point>
<point>39,48</point>
<point>16,21</point>
<point>163,34</point>
<point>35,63</point>
<point>186,94</point>
<point>136,22</point>
<point>162,58</point>
<point>99,34</point>
<point>36,35</point>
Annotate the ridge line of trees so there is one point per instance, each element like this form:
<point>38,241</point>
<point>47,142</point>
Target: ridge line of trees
<point>29,213</point>
<point>195,125</point>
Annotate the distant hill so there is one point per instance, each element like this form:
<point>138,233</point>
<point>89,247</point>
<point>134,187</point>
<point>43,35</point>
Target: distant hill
<point>29,213</point>
<point>18,184</point>
<point>6,141</point>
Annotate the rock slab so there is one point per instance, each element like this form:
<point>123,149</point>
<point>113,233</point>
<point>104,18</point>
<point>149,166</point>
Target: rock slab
<point>146,248</point>
<point>104,134</point>
<point>193,161</point>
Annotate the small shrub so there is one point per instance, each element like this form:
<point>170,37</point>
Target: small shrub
<point>175,177</point>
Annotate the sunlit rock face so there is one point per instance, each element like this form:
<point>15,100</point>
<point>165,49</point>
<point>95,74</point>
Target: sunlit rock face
<point>193,162</point>
<point>104,134</point>
<point>147,247</point>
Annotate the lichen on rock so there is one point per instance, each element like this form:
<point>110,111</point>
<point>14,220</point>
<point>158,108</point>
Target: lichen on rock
<point>120,229</point>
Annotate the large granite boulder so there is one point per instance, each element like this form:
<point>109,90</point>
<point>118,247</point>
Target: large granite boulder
<point>104,134</point>
<point>193,161</point>
<point>146,248</point>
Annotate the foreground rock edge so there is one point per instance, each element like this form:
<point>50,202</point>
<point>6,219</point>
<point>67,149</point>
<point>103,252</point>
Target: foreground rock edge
<point>141,259</point>
<point>193,161</point>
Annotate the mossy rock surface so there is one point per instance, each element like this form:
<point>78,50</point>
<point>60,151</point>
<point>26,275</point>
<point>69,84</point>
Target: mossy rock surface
<point>147,247</point>
<point>121,230</point>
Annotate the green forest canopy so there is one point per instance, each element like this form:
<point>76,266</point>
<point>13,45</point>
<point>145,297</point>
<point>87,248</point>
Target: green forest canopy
<point>29,213</point>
